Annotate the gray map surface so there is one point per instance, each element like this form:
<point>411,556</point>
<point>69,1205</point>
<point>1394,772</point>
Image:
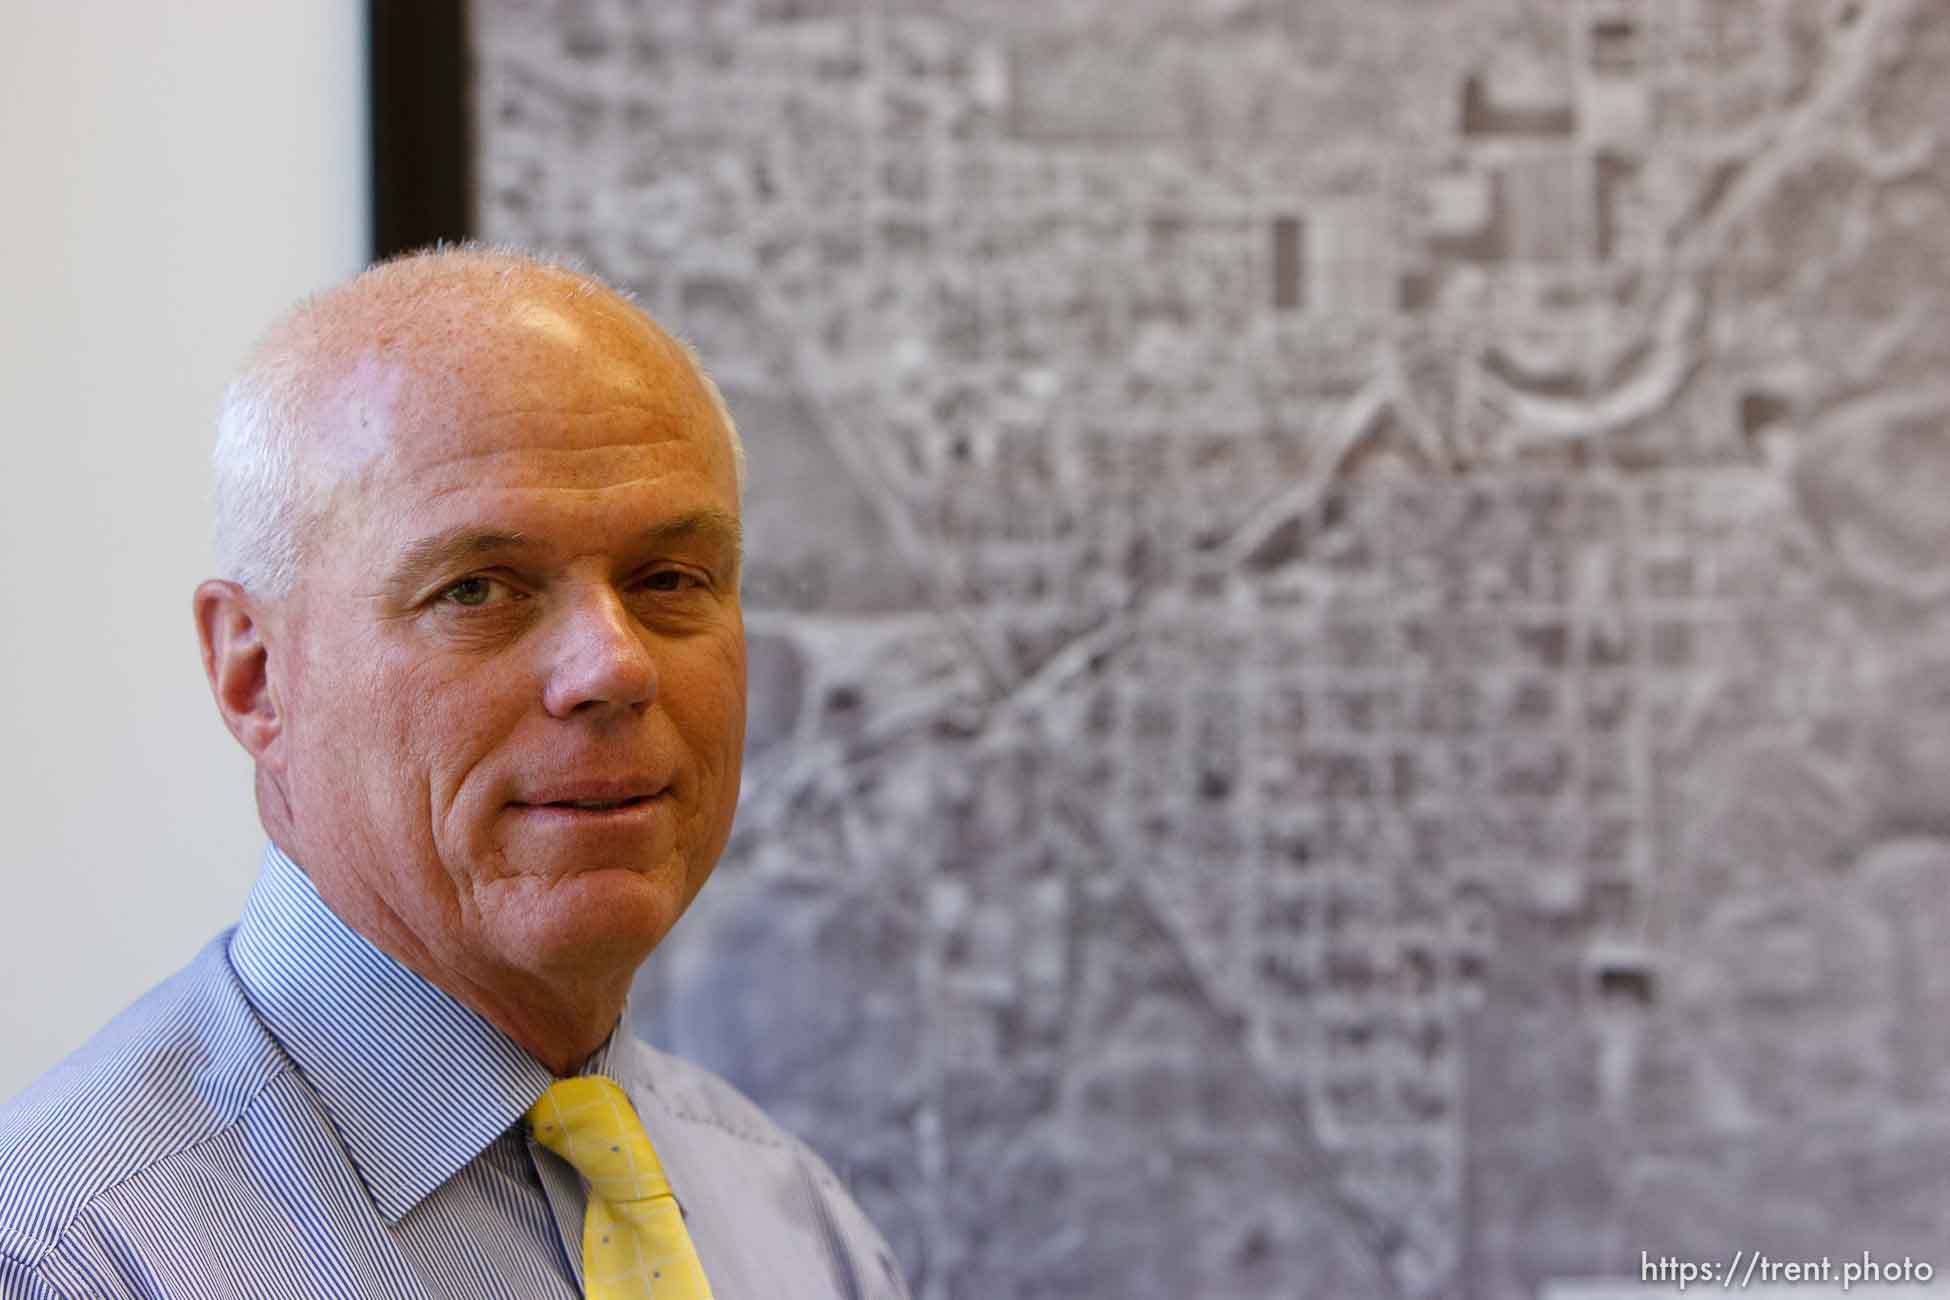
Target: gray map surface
<point>1349,609</point>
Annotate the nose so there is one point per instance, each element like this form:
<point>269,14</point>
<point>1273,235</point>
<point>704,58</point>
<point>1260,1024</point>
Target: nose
<point>600,658</point>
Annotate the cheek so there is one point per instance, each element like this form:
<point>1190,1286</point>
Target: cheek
<point>380,720</point>
<point>329,689</point>
<point>732,678</point>
<point>450,721</point>
<point>704,694</point>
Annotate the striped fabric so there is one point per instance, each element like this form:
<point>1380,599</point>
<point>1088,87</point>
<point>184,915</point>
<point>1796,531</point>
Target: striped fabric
<point>294,1114</point>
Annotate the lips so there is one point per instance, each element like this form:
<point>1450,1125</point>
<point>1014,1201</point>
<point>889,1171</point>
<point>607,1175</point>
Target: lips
<point>596,796</point>
<point>631,815</point>
<point>593,805</point>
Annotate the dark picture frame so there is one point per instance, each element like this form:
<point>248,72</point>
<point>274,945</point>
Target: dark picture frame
<point>421,129</point>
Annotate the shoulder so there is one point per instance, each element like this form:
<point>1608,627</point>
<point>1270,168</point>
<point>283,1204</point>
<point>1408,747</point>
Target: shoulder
<point>697,1096</point>
<point>691,1093</point>
<point>182,1063</point>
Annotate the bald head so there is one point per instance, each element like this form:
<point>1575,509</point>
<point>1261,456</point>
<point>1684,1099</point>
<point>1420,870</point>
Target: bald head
<point>412,342</point>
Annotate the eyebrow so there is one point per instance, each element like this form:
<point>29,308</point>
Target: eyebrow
<point>428,555</point>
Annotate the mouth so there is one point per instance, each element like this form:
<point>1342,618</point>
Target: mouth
<point>595,805</point>
<point>631,817</point>
<point>591,801</point>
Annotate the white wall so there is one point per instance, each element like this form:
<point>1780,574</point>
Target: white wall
<point>174,175</point>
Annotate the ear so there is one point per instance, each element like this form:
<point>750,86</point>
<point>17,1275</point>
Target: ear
<point>230,628</point>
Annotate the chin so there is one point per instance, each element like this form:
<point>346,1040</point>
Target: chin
<point>601,916</point>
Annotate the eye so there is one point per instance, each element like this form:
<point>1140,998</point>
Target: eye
<point>470,592</point>
<point>668,581</point>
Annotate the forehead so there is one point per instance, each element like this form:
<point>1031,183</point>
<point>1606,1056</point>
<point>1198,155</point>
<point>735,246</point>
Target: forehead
<point>576,388</point>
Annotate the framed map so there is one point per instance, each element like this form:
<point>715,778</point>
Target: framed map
<point>1346,598</point>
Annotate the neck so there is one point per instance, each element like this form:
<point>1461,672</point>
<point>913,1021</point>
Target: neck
<point>559,1018</point>
<point>560,1031</point>
<point>559,1021</point>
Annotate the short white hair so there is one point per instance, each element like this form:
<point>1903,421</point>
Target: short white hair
<point>264,497</point>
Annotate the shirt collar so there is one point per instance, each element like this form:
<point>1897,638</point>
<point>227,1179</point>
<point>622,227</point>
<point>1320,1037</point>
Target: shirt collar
<point>417,1084</point>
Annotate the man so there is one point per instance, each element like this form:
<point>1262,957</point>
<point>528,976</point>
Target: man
<point>479,631</point>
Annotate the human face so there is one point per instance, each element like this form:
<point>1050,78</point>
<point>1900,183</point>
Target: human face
<point>512,676</point>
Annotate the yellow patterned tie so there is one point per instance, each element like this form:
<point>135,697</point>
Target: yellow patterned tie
<point>634,1246</point>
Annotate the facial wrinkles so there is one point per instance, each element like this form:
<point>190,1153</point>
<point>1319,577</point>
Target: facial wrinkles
<point>467,789</point>
<point>328,784</point>
<point>385,421</point>
<point>596,504</point>
<point>449,806</point>
<point>414,687</point>
<point>601,486</point>
<point>611,452</point>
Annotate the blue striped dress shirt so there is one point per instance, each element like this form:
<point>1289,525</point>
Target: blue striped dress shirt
<point>295,1114</point>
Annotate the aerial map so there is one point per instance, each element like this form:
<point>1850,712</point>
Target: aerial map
<point>1349,611</point>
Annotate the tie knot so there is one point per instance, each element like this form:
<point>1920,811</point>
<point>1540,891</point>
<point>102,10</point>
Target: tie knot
<point>590,1123</point>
